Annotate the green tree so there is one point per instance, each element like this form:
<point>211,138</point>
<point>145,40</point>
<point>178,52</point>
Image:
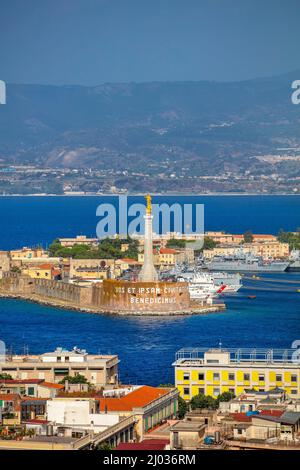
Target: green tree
<point>104,446</point>
<point>182,408</point>
<point>77,379</point>
<point>176,243</point>
<point>5,376</point>
<point>292,238</point>
<point>209,243</point>
<point>203,401</point>
<point>248,236</point>
<point>225,396</point>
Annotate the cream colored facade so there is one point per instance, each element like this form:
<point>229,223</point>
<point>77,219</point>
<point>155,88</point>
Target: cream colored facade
<point>78,240</point>
<point>99,370</point>
<point>90,268</point>
<point>28,253</point>
<point>170,257</point>
<point>212,372</point>
<point>264,249</point>
<point>38,272</point>
<point>229,238</point>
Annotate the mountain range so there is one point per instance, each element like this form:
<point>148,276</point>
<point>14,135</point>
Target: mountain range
<point>198,128</point>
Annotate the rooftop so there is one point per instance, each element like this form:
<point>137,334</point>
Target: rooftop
<point>139,398</point>
<point>147,444</point>
<point>237,356</point>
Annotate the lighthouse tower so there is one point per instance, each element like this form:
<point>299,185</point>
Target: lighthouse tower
<point>148,272</point>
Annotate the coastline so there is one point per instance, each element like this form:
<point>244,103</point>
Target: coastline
<point>153,194</point>
<point>48,301</point>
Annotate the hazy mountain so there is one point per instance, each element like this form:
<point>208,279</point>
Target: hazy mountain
<point>208,127</point>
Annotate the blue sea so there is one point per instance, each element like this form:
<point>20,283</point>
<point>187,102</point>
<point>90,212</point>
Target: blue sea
<point>146,346</point>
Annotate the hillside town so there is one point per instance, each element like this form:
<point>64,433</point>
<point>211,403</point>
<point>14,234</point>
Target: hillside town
<point>72,400</point>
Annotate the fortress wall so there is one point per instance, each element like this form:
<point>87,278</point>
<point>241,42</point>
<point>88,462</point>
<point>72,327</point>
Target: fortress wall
<point>143,296</point>
<point>14,283</point>
<point>57,290</point>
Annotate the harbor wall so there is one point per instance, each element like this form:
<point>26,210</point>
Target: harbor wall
<point>142,296</point>
<point>16,284</point>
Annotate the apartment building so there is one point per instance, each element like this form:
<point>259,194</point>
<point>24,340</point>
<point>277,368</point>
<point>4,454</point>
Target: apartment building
<point>229,238</point>
<point>264,249</point>
<point>214,371</point>
<point>149,405</point>
<point>99,370</point>
<point>78,240</point>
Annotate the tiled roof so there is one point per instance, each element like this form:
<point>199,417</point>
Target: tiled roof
<point>36,421</point>
<point>277,413</point>
<point>241,417</point>
<point>168,251</point>
<point>127,260</point>
<point>9,396</point>
<point>136,399</point>
<point>147,444</point>
<point>20,382</point>
<point>52,385</point>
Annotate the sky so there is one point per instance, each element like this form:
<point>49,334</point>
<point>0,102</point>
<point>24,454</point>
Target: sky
<point>88,42</point>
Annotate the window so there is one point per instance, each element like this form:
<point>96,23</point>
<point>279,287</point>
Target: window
<point>200,376</point>
<point>58,359</point>
<point>186,376</point>
<point>261,377</point>
<point>294,378</point>
<point>231,390</point>
<point>31,391</point>
<point>216,376</point>
<point>247,377</point>
<point>240,431</point>
<point>294,391</point>
<point>216,392</point>
<point>231,376</point>
<point>186,391</point>
<point>67,359</point>
<point>278,378</point>
<point>201,391</point>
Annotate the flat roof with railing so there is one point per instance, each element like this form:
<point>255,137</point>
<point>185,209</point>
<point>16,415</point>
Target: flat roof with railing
<point>241,355</point>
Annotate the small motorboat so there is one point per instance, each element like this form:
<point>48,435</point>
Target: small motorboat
<point>251,297</point>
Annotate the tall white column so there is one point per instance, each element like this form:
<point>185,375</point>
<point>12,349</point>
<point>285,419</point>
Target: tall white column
<point>148,272</point>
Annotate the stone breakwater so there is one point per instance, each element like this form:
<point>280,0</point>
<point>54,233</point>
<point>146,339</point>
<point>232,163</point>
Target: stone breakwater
<point>95,298</point>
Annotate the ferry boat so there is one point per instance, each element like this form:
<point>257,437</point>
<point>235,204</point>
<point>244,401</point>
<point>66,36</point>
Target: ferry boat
<point>201,285</point>
<point>231,282</point>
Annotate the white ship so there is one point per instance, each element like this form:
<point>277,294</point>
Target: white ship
<point>201,285</point>
<point>231,282</point>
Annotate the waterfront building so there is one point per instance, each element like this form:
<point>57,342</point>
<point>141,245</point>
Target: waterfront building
<point>42,271</point>
<point>27,253</point>
<point>90,268</point>
<point>264,249</point>
<point>99,370</point>
<point>214,371</point>
<point>78,240</point>
<point>165,257</point>
<point>229,238</point>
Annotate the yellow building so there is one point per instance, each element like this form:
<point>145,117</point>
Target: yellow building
<point>214,371</point>
<point>264,249</point>
<point>27,253</point>
<point>43,271</point>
